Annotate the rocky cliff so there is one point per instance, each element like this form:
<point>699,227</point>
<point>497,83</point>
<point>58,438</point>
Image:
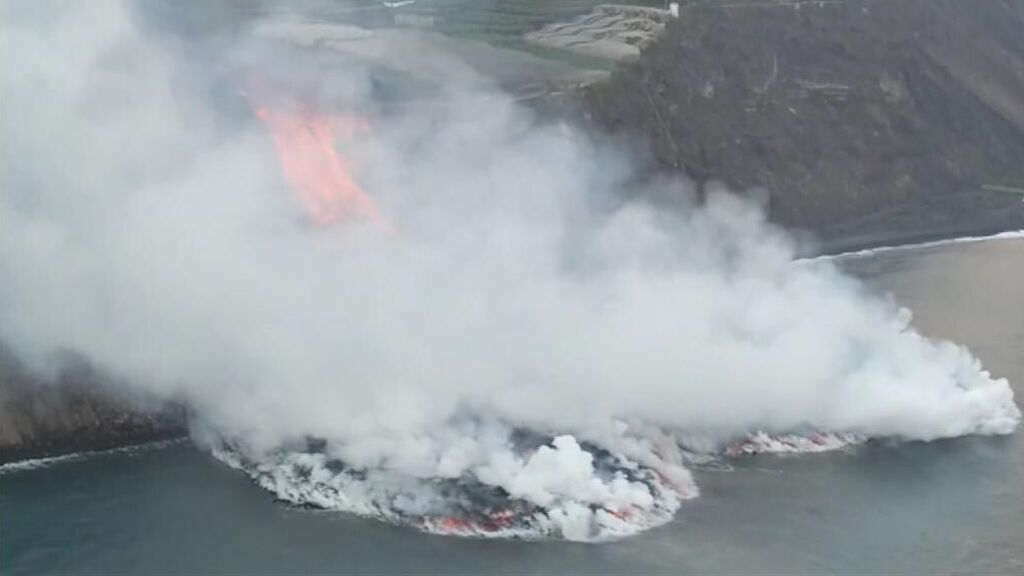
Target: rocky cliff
<point>869,121</point>
<point>75,410</point>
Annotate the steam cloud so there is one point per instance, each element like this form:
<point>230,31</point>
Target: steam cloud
<point>525,331</point>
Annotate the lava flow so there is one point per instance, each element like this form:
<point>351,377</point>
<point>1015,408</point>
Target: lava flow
<point>319,175</point>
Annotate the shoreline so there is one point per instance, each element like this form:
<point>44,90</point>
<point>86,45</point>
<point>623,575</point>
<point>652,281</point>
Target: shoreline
<point>860,250</point>
<point>77,449</point>
<point>26,464</point>
<point>70,447</point>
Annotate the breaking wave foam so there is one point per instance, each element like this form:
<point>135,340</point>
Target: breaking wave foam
<point>556,489</point>
<point>46,462</point>
<point>559,489</point>
<point>1008,235</point>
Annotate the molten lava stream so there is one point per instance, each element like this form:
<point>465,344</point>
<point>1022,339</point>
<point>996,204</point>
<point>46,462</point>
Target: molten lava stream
<point>318,174</point>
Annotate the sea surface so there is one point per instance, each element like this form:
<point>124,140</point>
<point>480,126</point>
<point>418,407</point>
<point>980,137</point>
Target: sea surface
<point>948,507</point>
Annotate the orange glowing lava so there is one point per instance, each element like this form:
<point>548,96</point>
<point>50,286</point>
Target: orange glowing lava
<point>319,175</point>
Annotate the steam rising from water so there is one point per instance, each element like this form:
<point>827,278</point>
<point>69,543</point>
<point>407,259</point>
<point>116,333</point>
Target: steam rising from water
<point>531,341</point>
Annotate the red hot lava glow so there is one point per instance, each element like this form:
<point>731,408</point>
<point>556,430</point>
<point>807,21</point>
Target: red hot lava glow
<point>318,174</point>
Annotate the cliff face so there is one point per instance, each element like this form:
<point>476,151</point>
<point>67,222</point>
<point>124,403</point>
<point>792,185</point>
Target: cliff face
<point>870,121</point>
<point>75,412</point>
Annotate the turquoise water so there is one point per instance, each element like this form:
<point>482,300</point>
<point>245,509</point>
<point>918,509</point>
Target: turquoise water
<point>945,507</point>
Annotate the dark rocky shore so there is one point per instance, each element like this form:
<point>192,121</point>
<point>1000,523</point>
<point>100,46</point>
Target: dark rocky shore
<point>75,411</point>
<point>869,122</point>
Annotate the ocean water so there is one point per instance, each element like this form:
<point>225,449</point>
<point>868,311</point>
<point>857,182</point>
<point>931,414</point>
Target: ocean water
<point>946,507</point>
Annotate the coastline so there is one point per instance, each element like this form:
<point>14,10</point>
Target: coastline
<point>46,461</point>
<point>73,448</point>
<point>768,126</point>
<point>78,409</point>
<point>840,250</point>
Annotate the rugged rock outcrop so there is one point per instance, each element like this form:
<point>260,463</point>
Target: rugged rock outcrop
<point>869,121</point>
<point>612,31</point>
<point>75,411</point>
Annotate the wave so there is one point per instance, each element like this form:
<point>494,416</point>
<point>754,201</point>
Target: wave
<point>36,463</point>
<point>1008,235</point>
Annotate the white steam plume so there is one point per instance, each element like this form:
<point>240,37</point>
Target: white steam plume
<point>519,293</point>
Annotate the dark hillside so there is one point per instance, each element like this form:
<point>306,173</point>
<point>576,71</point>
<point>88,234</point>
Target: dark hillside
<point>870,121</point>
<point>78,410</point>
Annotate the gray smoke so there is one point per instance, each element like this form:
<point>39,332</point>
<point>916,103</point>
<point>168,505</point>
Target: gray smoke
<point>519,288</point>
